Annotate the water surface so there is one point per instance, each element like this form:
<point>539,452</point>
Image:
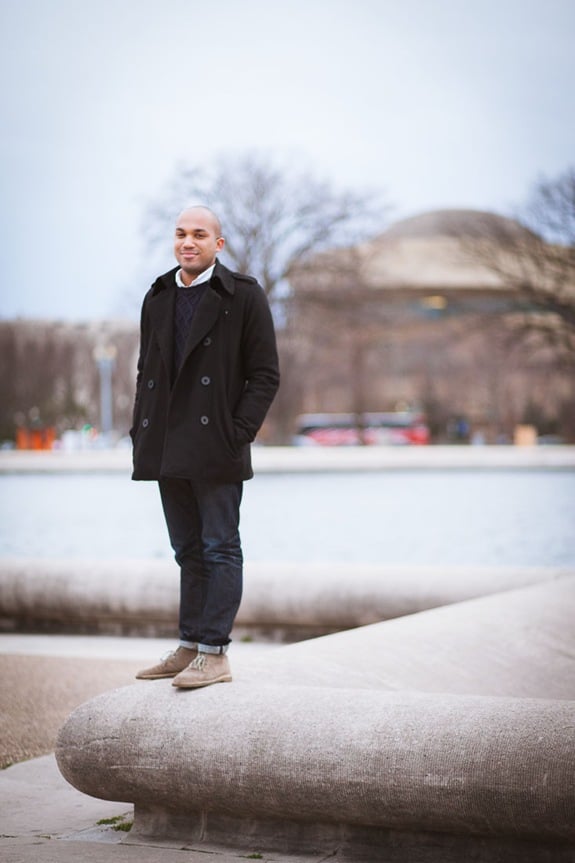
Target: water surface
<point>426,517</point>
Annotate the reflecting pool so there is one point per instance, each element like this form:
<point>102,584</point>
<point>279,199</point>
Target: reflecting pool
<point>430,517</point>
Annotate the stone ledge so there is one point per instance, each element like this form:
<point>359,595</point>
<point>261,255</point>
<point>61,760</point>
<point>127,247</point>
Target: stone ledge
<point>337,759</point>
<point>284,601</point>
<point>316,459</point>
<point>518,643</point>
<point>403,761</point>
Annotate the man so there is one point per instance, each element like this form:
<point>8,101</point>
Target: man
<point>207,374</point>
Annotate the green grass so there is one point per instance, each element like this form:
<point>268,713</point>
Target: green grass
<point>118,822</point>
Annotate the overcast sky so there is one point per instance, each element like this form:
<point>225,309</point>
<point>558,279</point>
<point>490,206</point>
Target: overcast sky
<point>440,103</point>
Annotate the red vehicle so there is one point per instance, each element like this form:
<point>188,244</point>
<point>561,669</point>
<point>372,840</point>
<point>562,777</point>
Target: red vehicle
<point>398,428</point>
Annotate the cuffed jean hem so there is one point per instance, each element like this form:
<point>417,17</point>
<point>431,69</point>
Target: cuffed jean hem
<point>191,645</point>
<point>205,648</point>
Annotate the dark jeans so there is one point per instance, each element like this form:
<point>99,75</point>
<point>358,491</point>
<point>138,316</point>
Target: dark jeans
<point>203,524</point>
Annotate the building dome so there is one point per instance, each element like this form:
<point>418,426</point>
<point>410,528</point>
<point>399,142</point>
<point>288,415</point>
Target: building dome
<point>454,224</point>
<point>430,253</point>
<point>435,251</point>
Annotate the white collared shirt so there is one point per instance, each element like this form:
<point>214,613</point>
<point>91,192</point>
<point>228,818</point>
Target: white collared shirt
<point>199,280</point>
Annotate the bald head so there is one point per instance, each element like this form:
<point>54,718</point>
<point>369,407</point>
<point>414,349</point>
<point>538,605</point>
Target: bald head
<point>203,213</point>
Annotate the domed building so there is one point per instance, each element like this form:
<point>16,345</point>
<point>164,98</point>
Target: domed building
<point>425,316</point>
<point>432,257</point>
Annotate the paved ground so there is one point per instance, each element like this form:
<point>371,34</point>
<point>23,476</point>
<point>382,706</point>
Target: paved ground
<point>38,693</point>
<point>45,677</point>
<point>43,819</point>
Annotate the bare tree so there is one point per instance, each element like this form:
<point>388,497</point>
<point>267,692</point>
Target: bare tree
<point>534,256</point>
<point>48,376</point>
<point>273,216</point>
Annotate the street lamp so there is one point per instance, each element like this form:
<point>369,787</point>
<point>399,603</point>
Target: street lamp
<point>105,356</point>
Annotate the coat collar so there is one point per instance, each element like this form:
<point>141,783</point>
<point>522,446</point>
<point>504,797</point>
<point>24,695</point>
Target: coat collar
<point>225,277</point>
<point>221,275</point>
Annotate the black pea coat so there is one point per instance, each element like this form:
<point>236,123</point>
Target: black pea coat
<point>198,424</point>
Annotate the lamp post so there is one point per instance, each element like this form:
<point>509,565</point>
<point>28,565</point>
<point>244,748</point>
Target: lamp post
<point>105,356</point>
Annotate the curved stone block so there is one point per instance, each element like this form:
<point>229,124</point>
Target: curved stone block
<point>518,643</point>
<point>405,761</point>
<point>143,595</point>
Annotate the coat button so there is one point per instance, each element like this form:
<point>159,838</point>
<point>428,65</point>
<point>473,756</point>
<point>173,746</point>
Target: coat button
<point>206,380</point>
<point>207,342</point>
<point>150,384</point>
<point>145,423</point>
<point>204,420</point>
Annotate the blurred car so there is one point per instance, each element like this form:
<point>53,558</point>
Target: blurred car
<point>399,428</point>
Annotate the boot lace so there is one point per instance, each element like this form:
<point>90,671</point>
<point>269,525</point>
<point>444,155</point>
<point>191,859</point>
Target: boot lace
<point>199,662</point>
<point>171,655</point>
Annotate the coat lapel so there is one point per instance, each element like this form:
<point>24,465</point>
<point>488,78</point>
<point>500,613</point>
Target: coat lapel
<point>162,317</point>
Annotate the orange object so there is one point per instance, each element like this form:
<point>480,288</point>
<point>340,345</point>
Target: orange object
<point>35,439</point>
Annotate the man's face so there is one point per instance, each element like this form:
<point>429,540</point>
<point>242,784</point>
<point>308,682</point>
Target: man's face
<point>196,242</point>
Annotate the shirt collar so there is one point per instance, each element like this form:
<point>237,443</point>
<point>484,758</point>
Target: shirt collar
<point>199,280</point>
